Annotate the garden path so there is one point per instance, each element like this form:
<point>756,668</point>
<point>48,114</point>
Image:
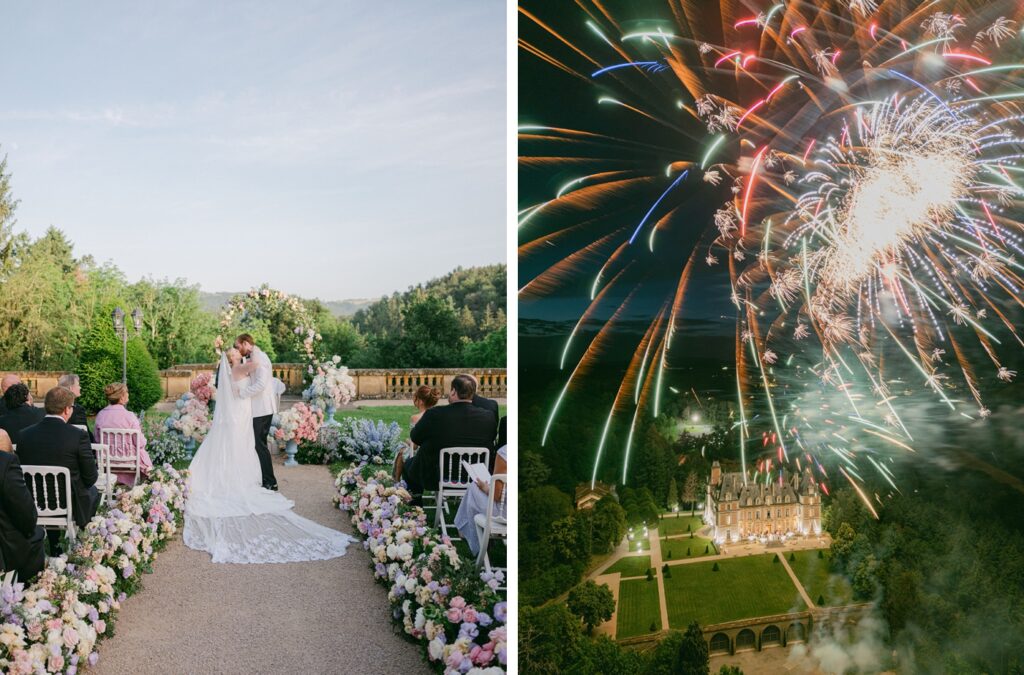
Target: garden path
<point>316,617</point>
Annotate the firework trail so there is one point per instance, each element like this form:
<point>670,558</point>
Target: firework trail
<point>865,157</point>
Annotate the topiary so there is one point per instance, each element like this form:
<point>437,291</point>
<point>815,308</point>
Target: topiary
<point>792,557</point>
<point>821,600</point>
<point>821,554</point>
<point>715,568</point>
<point>100,365</point>
<point>650,574</point>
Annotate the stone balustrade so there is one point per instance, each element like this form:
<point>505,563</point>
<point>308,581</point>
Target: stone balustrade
<point>371,383</point>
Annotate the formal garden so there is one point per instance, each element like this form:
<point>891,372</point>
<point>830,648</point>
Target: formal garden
<point>638,612</point>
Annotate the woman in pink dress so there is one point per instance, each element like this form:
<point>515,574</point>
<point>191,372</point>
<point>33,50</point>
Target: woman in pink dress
<point>116,416</point>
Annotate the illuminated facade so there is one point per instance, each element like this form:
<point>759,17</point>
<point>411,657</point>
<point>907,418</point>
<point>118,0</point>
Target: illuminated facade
<point>737,509</point>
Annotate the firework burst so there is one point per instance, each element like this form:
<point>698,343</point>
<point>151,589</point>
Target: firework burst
<point>862,162</point>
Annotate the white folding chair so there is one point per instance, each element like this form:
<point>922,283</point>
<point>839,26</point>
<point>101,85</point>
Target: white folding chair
<point>122,450</point>
<point>106,480</point>
<point>46,491</point>
<point>82,427</point>
<point>454,479</point>
<point>493,524</point>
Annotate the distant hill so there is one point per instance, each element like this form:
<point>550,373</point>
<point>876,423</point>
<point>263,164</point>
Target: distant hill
<point>214,301</point>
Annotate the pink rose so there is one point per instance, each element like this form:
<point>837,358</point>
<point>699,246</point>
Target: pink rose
<point>454,615</point>
<point>458,602</point>
<point>469,614</point>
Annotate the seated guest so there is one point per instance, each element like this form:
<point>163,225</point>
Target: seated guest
<point>71,382</point>
<point>54,442</point>
<point>483,402</point>
<point>458,424</point>
<point>475,502</point>
<point>20,413</point>
<point>5,442</point>
<point>21,540</point>
<point>116,416</point>
<point>424,399</point>
<point>5,384</point>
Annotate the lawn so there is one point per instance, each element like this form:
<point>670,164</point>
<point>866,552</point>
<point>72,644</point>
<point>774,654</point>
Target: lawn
<point>742,588</point>
<point>671,525</point>
<point>814,574</point>
<point>640,540</point>
<point>638,608</point>
<point>389,413</point>
<point>675,549</point>
<point>632,566</point>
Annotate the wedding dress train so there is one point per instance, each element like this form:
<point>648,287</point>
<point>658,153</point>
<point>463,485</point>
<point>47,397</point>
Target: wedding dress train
<point>228,513</point>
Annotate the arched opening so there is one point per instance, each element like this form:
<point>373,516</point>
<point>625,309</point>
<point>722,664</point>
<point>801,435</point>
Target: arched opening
<point>719,643</point>
<point>771,636</point>
<point>795,633</point>
<point>745,639</point>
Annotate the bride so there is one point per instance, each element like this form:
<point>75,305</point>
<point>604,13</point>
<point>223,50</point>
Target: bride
<point>228,513</point>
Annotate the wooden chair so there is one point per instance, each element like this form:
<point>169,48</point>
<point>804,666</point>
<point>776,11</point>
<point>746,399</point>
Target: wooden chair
<point>123,450</point>
<point>454,479</point>
<point>493,524</point>
<point>106,480</point>
<point>47,491</point>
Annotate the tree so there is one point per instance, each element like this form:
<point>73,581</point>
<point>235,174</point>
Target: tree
<point>842,543</point>
<point>533,472</point>
<point>714,568</point>
<point>550,638</point>
<point>650,574</point>
<point>673,494</point>
<point>593,604</point>
<point>680,654</point>
<point>490,352</point>
<point>730,670</point>
<point>542,506</point>
<point>694,651</point>
<point>864,583</point>
<point>430,337</point>
<point>102,362</point>
<point>690,488</point>
<point>608,524</point>
<point>666,571</point>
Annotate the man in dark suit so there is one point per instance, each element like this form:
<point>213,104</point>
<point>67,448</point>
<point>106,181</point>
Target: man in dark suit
<point>458,424</point>
<point>5,383</point>
<point>483,402</point>
<point>21,540</point>
<point>54,442</point>
<point>71,382</point>
<point>20,413</point>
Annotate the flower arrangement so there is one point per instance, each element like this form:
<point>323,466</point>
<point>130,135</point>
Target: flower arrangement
<point>202,388</point>
<point>331,387</point>
<point>164,445</point>
<point>190,418</point>
<point>367,441</point>
<point>326,448</point>
<point>53,625</point>
<point>439,598</point>
<point>299,423</point>
<point>268,302</point>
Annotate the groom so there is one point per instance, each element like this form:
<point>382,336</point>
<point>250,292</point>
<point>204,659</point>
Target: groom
<point>264,403</point>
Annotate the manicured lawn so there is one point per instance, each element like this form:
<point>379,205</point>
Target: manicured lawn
<point>671,525</point>
<point>742,588</point>
<point>638,608</point>
<point>814,574</point>
<point>676,548</point>
<point>633,566</point>
<point>389,413</point>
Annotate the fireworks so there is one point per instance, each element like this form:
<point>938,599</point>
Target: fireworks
<point>861,160</point>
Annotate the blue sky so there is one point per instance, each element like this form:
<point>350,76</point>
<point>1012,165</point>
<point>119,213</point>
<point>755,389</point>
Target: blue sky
<point>333,149</point>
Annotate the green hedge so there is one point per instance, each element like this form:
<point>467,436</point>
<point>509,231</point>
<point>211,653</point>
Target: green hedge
<point>101,365</point>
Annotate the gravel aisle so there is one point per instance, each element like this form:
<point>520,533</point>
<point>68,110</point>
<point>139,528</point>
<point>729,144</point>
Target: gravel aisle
<point>193,616</point>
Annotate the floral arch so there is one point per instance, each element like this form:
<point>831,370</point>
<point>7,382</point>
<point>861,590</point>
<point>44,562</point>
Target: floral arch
<point>265,302</point>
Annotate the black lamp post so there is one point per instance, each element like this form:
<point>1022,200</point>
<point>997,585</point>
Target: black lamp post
<point>121,330</point>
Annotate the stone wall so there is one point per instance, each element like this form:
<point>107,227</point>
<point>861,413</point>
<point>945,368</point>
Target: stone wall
<point>395,384</point>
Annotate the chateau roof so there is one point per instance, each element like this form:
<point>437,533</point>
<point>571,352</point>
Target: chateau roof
<point>753,493</point>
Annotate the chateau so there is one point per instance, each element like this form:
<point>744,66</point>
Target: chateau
<point>736,509</point>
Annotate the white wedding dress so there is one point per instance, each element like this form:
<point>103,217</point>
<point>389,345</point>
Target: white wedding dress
<point>228,513</point>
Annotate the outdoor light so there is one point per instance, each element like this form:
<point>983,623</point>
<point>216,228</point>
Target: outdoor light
<point>695,418</point>
<point>121,330</point>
